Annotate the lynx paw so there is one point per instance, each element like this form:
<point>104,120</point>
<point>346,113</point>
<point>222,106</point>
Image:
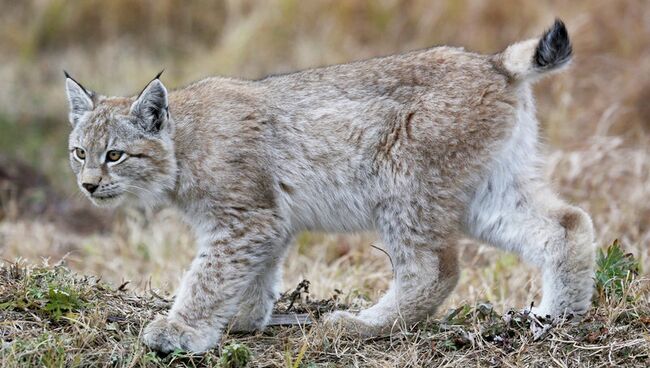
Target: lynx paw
<point>538,312</point>
<point>167,336</point>
<point>547,313</point>
<point>244,324</point>
<point>351,323</point>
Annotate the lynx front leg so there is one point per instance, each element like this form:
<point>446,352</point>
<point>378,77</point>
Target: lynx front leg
<point>212,289</point>
<point>258,300</point>
<point>426,270</point>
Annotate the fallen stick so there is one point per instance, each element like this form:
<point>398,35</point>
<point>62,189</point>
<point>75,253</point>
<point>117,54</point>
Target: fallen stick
<point>290,319</point>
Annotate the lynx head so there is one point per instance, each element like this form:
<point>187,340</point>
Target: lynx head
<point>120,147</point>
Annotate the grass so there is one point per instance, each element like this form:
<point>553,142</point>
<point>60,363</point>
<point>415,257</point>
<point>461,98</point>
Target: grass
<point>53,317</point>
<point>615,270</point>
<point>235,355</point>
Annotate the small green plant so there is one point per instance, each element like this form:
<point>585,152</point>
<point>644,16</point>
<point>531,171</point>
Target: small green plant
<point>61,300</point>
<point>614,271</point>
<point>50,292</point>
<point>235,355</point>
<point>459,315</point>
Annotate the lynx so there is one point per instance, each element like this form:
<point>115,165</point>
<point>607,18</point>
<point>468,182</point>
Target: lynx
<point>422,147</point>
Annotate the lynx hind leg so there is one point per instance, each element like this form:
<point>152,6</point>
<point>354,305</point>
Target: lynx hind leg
<point>558,238</point>
<point>425,272</point>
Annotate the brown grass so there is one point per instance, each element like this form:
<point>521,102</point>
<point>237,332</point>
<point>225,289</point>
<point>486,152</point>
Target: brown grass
<point>100,325</point>
<point>595,118</point>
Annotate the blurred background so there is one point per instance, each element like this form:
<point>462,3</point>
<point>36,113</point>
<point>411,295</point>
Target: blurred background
<point>595,118</point>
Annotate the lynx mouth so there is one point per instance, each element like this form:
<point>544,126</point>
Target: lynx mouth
<point>105,196</point>
<point>105,200</point>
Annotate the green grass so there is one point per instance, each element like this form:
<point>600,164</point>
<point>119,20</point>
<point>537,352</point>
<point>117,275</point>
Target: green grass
<point>235,355</point>
<point>615,270</point>
<point>49,293</point>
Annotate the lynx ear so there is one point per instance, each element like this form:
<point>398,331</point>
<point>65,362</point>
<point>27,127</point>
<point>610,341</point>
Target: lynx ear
<point>151,106</point>
<point>79,99</point>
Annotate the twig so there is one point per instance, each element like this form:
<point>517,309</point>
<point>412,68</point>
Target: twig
<point>392,266</point>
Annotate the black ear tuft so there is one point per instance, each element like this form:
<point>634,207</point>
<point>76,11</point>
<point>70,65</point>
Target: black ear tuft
<point>554,48</point>
<point>90,94</point>
<point>159,74</point>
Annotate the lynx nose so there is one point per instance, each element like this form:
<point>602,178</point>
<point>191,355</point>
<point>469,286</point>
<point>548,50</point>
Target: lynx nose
<point>90,187</point>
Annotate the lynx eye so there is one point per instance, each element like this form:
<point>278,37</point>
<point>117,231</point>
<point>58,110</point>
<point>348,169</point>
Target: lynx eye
<point>80,153</point>
<point>113,156</point>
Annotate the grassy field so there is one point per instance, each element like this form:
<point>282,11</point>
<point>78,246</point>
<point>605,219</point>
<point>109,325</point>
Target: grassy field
<point>53,317</point>
<point>595,118</point>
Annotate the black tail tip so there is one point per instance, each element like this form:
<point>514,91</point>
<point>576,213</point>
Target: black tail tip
<point>554,48</point>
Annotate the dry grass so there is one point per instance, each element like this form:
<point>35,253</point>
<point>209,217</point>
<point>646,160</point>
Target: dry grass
<point>52,317</point>
<point>595,117</point>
